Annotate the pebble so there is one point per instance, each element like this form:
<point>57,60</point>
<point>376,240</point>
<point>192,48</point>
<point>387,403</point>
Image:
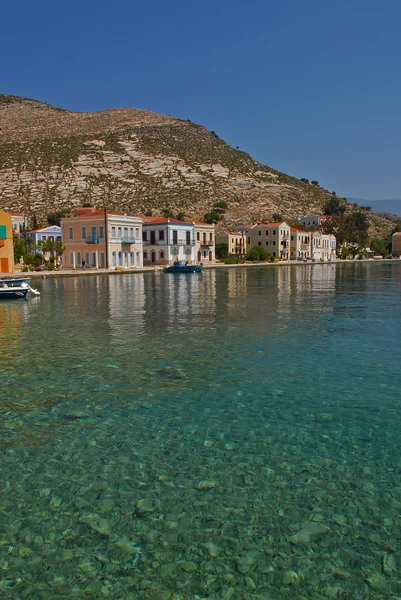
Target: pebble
<point>310,533</point>
<point>289,578</point>
<point>188,566</point>
<point>206,484</point>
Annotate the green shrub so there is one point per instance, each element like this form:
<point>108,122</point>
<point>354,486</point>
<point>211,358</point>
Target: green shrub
<point>233,260</point>
<point>221,251</point>
<point>220,204</point>
<point>50,267</point>
<point>25,269</point>
<point>257,253</point>
<point>212,217</point>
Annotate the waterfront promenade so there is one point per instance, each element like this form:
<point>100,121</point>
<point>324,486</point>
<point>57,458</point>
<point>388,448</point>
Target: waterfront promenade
<point>159,269</point>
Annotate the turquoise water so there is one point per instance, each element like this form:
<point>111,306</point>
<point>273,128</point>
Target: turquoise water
<point>234,434</point>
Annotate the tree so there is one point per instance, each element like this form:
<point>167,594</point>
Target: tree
<point>334,206</point>
<point>221,250</point>
<point>277,218</point>
<point>304,180</point>
<point>180,216</point>
<point>19,249</point>
<point>220,204</point>
<point>148,213</point>
<point>167,212</point>
<point>212,217</point>
<point>257,253</point>
<point>314,182</point>
<point>54,218</point>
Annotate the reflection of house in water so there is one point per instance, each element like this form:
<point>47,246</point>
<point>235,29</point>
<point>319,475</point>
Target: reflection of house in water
<point>12,316</point>
<point>180,300</point>
<point>304,287</point>
<point>126,304</point>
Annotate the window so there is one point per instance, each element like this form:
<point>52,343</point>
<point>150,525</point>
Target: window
<point>83,232</point>
<point>51,238</point>
<point>249,240</point>
<point>137,233</point>
<point>113,259</point>
<point>58,238</point>
<point>188,236</point>
<point>145,255</point>
<point>101,231</point>
<point>259,233</point>
<point>259,243</point>
<point>131,232</point>
<point>113,232</point>
<point>44,238</point>
<point>211,237</point>
<point>274,232</point>
<point>131,256</point>
<point>125,232</point>
<point>175,237</point>
<point>292,238</point>
<point>161,254</point>
<point>119,230</point>
<point>267,242</point>
<point>197,236</point>
<point>161,234</point>
<point>144,237</point>
<point>93,231</point>
<point>72,259</point>
<point>70,233</point>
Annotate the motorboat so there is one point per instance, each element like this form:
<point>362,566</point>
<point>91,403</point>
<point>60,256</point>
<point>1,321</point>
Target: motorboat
<point>16,288</point>
<point>179,267</point>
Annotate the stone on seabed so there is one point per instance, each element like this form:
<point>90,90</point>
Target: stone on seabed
<point>310,533</point>
<point>206,484</point>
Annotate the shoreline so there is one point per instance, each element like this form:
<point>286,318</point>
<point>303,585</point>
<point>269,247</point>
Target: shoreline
<point>159,268</point>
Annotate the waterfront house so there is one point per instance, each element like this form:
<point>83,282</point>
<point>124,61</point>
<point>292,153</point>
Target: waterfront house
<point>6,243</point>
<point>51,233</point>
<point>323,246</point>
<point>300,244</point>
<point>236,242</point>
<point>19,223</point>
<point>166,240</point>
<point>313,221</point>
<point>101,239</point>
<point>274,237</point>
<point>205,248</point>
<point>396,244</point>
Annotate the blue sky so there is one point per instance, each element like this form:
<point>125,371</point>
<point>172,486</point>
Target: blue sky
<point>312,88</point>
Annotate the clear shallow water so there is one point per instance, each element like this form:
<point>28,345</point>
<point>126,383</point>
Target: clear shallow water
<point>229,435</point>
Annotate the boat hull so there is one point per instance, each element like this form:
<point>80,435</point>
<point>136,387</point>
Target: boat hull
<point>12,294</point>
<point>183,269</point>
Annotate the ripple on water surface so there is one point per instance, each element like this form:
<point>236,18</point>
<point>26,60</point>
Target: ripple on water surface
<point>229,435</point>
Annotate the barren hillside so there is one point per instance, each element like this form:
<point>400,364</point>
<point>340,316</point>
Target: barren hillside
<point>134,160</point>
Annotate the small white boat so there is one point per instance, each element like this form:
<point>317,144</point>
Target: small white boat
<point>16,288</point>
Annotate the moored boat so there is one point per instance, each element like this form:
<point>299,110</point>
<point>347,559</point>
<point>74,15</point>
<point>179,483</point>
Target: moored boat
<point>179,267</point>
<point>16,288</point>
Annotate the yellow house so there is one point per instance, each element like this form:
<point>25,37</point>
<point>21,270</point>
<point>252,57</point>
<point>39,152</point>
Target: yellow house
<point>274,237</point>
<point>396,246</point>
<point>6,243</point>
<point>235,241</point>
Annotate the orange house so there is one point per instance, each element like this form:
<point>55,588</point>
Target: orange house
<point>6,243</point>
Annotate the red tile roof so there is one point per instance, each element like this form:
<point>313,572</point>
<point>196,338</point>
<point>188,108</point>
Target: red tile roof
<point>159,220</point>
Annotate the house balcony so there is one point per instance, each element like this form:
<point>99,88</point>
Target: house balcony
<point>125,240</point>
<point>92,239</point>
<point>129,240</point>
<point>168,243</point>
<point>206,242</point>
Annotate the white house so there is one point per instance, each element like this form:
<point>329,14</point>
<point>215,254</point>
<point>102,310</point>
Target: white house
<point>166,240</point>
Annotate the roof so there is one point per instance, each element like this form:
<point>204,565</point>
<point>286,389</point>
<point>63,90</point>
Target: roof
<point>159,220</point>
<point>232,233</point>
<point>271,224</point>
<point>14,214</point>
<point>294,229</point>
<point>201,223</point>
<point>51,227</point>
<point>397,233</point>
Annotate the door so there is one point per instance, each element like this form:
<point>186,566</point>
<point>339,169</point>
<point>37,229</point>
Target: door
<point>4,265</point>
<point>175,237</point>
<point>199,256</point>
<point>210,256</point>
<point>153,256</point>
<point>152,237</point>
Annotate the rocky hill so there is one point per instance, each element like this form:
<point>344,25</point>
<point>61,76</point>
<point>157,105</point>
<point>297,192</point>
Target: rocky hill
<point>134,160</point>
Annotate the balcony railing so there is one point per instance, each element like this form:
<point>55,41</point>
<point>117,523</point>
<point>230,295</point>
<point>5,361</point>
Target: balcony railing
<point>92,239</point>
<point>125,240</point>
<point>178,242</point>
<point>129,240</point>
<point>206,242</point>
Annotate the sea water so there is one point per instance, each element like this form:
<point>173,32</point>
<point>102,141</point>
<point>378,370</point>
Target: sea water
<point>230,434</point>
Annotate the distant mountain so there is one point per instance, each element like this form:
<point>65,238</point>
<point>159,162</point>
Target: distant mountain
<point>389,206</point>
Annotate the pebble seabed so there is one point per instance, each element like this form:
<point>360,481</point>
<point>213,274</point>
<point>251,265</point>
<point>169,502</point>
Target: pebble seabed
<point>165,498</point>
